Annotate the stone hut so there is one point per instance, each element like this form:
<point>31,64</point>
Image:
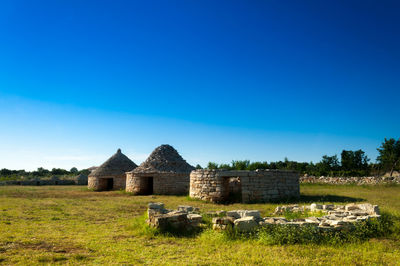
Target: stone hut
<point>244,186</point>
<point>164,172</point>
<point>111,174</point>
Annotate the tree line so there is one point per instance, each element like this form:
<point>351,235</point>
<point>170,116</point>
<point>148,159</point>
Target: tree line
<point>351,163</point>
<point>41,172</point>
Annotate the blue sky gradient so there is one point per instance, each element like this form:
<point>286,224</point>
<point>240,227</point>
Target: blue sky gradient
<point>218,80</point>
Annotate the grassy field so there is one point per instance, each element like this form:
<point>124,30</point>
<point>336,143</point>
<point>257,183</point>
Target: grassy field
<point>71,225</point>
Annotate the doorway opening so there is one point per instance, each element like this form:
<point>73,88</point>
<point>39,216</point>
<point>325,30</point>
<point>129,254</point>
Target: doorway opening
<point>148,185</point>
<point>110,184</point>
<point>232,188</point>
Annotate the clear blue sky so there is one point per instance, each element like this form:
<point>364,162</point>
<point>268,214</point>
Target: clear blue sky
<point>218,80</point>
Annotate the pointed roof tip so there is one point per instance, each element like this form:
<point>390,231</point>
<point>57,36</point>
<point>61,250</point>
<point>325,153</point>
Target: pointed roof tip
<point>117,164</point>
<point>165,158</point>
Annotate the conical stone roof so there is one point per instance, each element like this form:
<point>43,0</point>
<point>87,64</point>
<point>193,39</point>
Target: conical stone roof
<point>118,164</point>
<point>164,159</point>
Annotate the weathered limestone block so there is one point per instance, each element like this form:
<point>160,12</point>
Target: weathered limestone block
<point>315,207</point>
<point>246,224</point>
<point>194,218</point>
<point>166,221</point>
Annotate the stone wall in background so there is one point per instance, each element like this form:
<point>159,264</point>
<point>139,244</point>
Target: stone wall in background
<point>365,180</point>
<point>251,186</point>
<point>54,181</point>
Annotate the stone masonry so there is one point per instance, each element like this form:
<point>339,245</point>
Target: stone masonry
<point>336,217</point>
<point>253,186</point>
<point>163,183</point>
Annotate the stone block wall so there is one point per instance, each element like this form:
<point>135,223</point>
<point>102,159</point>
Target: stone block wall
<point>164,183</point>
<point>38,182</point>
<point>100,183</point>
<point>256,186</point>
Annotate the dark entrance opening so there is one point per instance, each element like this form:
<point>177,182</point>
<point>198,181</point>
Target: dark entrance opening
<point>37,183</point>
<point>56,183</point>
<point>232,189</point>
<point>148,186</point>
<point>110,184</point>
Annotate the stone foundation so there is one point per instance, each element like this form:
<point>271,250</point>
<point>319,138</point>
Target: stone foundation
<point>337,217</point>
<point>251,186</point>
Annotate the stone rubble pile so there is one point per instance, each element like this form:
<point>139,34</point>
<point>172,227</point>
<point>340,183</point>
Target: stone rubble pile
<point>333,217</point>
<point>185,218</point>
<point>336,217</point>
<point>365,180</point>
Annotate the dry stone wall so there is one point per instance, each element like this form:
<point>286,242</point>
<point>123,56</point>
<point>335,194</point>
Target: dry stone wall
<point>44,182</point>
<point>100,183</point>
<point>254,186</point>
<point>163,183</point>
<point>364,180</point>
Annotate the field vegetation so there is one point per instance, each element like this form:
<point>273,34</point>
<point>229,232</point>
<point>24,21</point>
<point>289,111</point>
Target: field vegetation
<point>69,224</point>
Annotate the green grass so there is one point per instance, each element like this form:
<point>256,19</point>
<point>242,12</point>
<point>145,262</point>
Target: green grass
<point>71,225</point>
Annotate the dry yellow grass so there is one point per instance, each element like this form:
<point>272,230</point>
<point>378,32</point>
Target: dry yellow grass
<point>71,225</point>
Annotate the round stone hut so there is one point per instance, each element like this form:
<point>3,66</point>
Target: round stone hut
<point>164,172</point>
<point>111,174</point>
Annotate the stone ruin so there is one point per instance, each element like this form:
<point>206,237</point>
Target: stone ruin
<point>336,217</point>
<point>184,219</point>
<point>164,172</point>
<point>244,186</point>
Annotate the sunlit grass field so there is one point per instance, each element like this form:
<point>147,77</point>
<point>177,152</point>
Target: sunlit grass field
<point>71,225</point>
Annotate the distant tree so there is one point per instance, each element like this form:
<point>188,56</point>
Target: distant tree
<point>225,166</point>
<point>257,165</point>
<point>59,171</point>
<point>330,163</point>
<point>354,160</point>
<point>5,172</point>
<point>74,170</point>
<point>389,154</point>
<point>41,172</point>
<point>212,165</point>
<point>240,165</point>
<point>198,166</point>
<point>84,172</point>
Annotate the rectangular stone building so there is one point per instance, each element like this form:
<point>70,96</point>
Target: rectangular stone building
<point>245,186</point>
